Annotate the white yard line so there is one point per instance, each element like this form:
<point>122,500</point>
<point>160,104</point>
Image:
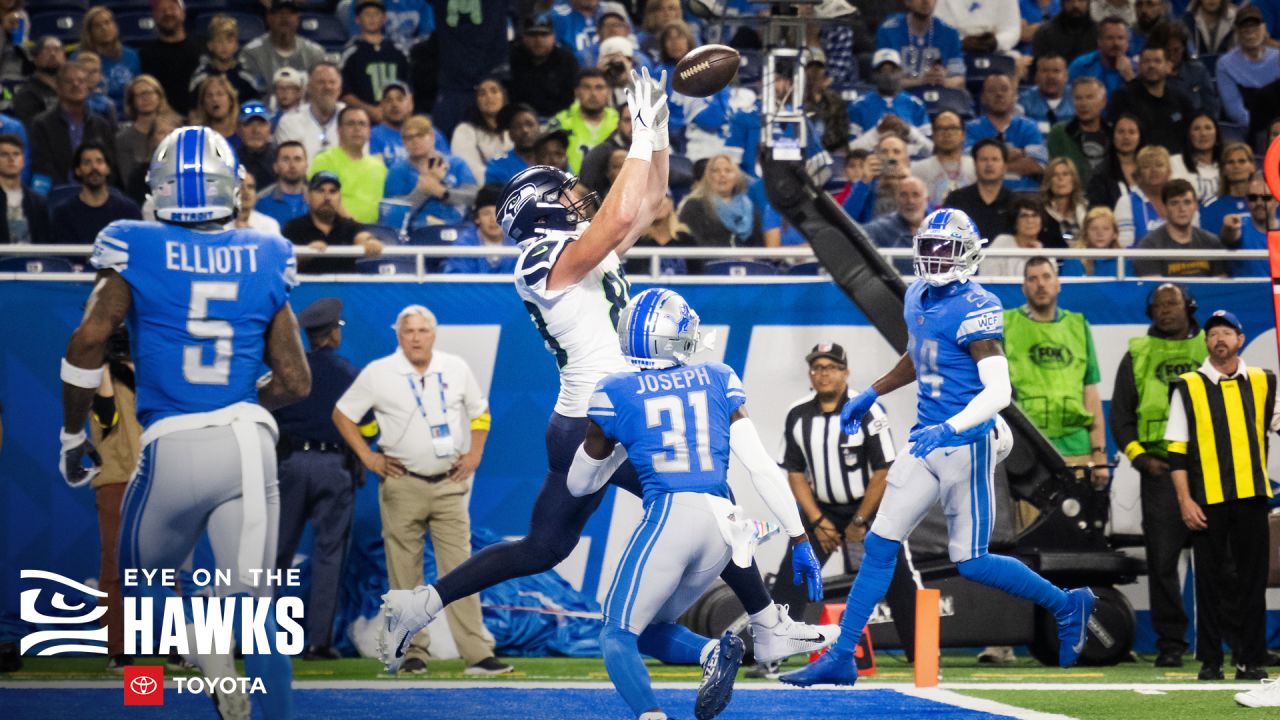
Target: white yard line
<point>947,697</point>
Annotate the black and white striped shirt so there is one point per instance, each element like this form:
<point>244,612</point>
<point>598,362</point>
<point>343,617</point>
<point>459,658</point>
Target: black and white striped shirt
<point>838,466</point>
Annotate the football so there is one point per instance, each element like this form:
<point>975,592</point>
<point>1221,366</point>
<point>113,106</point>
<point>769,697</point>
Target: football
<point>704,71</point>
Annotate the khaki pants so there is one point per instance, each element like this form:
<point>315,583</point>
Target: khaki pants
<point>109,499</point>
<point>411,507</point>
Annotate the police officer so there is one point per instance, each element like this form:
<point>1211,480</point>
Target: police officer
<point>318,473</point>
<point>1173,345</point>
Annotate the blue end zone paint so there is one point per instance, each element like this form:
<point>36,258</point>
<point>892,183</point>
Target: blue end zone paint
<point>531,704</point>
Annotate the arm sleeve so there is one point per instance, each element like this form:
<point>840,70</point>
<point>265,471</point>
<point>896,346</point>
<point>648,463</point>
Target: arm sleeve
<point>769,479</point>
<point>1177,430</point>
<point>358,399</point>
<point>1123,419</point>
<point>994,397</point>
<point>587,475</point>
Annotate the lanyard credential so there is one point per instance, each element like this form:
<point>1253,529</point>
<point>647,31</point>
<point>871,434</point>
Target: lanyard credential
<point>441,438</point>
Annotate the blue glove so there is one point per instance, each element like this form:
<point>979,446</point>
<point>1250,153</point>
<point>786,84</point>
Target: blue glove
<point>927,439</point>
<point>805,566</point>
<point>852,412</point>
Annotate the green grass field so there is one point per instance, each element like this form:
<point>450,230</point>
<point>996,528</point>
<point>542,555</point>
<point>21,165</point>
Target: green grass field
<point>1123,700</point>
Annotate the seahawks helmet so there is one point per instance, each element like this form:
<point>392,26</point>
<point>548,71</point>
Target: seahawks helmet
<point>658,329</point>
<point>948,248</point>
<point>195,177</point>
<point>531,203</point>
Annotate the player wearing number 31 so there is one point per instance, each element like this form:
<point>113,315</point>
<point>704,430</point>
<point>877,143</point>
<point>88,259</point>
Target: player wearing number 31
<point>954,354</point>
<point>206,307</point>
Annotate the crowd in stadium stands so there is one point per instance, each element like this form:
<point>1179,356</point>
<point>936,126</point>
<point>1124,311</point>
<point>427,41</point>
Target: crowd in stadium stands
<point>1053,123</point>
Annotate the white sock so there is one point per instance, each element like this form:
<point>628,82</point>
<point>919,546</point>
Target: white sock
<point>653,715</point>
<point>767,617</point>
<point>706,652</point>
<point>432,604</point>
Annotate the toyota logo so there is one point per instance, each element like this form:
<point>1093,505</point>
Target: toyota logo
<point>143,685</point>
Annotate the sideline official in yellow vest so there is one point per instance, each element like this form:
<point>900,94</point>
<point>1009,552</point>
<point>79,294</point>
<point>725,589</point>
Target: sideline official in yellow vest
<point>1054,370</point>
<point>1219,417</point>
<point>1139,410</point>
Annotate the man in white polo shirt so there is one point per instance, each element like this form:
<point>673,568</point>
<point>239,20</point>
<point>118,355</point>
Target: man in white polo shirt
<point>434,421</point>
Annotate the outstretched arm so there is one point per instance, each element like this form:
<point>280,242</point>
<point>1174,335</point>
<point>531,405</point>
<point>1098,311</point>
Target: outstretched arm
<point>993,370</point>
<point>627,203</point>
<point>654,193</point>
<point>769,479</point>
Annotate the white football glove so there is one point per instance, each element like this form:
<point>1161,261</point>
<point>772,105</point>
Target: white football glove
<point>75,446</point>
<point>647,104</point>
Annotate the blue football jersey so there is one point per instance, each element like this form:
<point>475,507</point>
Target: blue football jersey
<point>941,323</point>
<point>202,302</point>
<point>674,424</point>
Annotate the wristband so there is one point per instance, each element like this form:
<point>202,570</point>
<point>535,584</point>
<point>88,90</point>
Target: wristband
<point>661,139</point>
<point>80,377</point>
<point>642,146</point>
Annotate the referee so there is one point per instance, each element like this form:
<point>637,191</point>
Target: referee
<point>838,481</point>
<point>1219,416</point>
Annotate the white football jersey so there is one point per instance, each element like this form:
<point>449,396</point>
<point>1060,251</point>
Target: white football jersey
<point>579,323</point>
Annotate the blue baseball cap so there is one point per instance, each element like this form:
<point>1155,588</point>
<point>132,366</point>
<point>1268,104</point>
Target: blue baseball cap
<point>322,177</point>
<point>1223,317</point>
<point>254,109</point>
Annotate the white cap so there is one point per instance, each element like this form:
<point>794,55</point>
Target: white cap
<point>884,55</point>
<point>290,75</point>
<point>617,45</point>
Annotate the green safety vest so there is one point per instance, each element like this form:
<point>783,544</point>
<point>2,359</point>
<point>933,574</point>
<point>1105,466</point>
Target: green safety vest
<point>1047,366</point>
<point>1156,363</point>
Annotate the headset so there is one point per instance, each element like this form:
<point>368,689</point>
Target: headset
<point>1188,299</point>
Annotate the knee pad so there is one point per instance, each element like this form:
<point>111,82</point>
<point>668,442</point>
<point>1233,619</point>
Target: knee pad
<point>879,551</point>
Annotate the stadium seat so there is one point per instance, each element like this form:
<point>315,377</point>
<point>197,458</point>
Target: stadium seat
<point>324,29</point>
<point>386,235</point>
<point>66,6</point>
<point>751,69</point>
<point>939,98</point>
<point>813,267</point>
<point>978,67</point>
<point>36,264</point>
<point>390,265</point>
<point>119,6</point>
<point>136,28</point>
<point>62,25</point>
<point>738,268</point>
<point>679,174</point>
<point>249,25</point>
<point>434,235</point>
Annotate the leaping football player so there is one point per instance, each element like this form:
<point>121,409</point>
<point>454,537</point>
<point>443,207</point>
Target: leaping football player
<point>570,278</point>
<point>954,354</point>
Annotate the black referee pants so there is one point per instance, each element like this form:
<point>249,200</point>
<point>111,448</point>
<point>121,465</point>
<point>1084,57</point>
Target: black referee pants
<point>1232,604</point>
<point>901,596</point>
<point>1165,536</point>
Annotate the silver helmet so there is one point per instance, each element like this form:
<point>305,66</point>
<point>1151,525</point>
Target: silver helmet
<point>195,177</point>
<point>658,329</point>
<point>947,246</point>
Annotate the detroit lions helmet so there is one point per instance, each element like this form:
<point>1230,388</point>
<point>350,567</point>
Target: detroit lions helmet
<point>532,203</point>
<point>194,177</point>
<point>948,248</point>
<point>658,329</point>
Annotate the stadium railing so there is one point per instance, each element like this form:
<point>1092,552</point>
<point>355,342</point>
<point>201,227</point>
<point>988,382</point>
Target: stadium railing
<point>788,255</point>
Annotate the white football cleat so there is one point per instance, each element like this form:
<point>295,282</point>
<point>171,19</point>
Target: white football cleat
<point>404,614</point>
<point>786,637</point>
<point>1266,695</point>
